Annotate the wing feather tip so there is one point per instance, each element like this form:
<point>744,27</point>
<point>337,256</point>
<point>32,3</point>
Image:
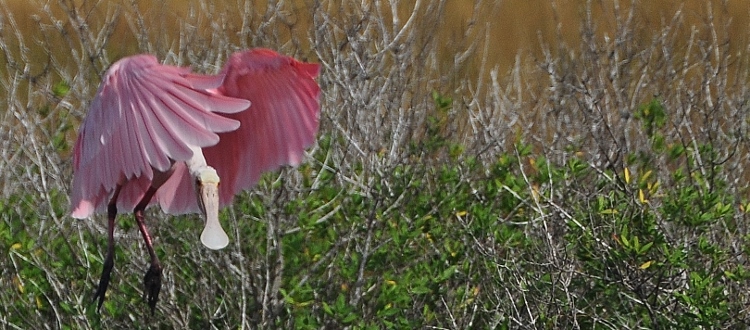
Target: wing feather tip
<point>83,210</point>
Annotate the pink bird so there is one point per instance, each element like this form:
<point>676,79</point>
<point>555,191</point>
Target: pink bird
<point>158,134</point>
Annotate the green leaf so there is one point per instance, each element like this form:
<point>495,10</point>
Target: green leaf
<point>447,273</point>
<point>421,290</point>
<point>645,247</point>
<point>61,89</point>
<point>351,317</point>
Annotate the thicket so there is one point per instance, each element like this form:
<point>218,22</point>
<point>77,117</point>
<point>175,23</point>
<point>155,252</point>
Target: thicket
<point>601,186</point>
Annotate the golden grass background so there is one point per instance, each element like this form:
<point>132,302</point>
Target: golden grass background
<point>513,27</point>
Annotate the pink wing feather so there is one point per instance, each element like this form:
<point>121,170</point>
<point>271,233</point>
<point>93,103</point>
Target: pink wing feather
<point>144,116</point>
<point>280,123</point>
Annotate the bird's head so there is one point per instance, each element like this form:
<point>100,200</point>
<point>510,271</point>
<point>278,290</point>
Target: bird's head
<point>207,188</point>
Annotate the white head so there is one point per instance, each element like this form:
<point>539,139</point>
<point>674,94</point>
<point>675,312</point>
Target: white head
<point>207,188</point>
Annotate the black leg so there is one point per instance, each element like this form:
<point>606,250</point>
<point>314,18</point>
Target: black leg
<point>152,280</point>
<point>109,261</point>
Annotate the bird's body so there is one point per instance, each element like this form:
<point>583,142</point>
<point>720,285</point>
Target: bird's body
<point>158,134</point>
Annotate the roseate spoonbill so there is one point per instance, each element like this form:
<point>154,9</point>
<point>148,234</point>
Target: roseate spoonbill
<point>158,134</point>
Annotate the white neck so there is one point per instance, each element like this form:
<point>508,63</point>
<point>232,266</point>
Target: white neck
<point>197,163</point>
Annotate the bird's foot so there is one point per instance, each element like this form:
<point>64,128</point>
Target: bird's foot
<point>103,282</point>
<point>152,281</point>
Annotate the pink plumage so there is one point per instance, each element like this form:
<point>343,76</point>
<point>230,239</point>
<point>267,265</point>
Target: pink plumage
<point>281,122</point>
<point>145,114</point>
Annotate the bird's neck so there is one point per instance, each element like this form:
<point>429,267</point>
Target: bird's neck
<point>197,163</point>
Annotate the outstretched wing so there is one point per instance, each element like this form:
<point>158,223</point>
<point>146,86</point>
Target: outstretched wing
<point>145,116</point>
<point>281,122</point>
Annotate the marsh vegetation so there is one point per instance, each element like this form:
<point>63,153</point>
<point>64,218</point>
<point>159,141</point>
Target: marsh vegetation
<point>595,180</point>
